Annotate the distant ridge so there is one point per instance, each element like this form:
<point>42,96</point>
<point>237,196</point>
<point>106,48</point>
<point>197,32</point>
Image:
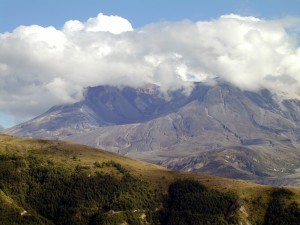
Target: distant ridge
<point>219,129</point>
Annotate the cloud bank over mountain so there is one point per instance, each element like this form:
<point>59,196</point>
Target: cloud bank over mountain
<point>44,66</point>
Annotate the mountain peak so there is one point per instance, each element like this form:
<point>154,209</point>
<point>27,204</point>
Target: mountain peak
<point>196,132</point>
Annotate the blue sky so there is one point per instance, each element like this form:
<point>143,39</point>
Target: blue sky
<point>14,13</point>
<point>6,120</point>
<point>55,12</point>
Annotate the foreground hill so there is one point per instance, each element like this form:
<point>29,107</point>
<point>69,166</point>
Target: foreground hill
<point>53,182</point>
<point>221,129</point>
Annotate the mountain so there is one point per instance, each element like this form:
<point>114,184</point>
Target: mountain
<point>102,106</point>
<point>219,129</point>
<point>55,182</point>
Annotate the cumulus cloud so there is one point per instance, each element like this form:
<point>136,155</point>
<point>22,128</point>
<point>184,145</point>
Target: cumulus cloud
<point>113,24</point>
<point>44,66</point>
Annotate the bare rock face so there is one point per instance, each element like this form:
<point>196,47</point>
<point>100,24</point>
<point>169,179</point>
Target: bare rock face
<point>102,106</point>
<point>218,129</point>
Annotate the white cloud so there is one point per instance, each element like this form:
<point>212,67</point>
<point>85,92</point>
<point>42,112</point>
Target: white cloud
<point>241,18</point>
<point>44,66</point>
<point>112,24</point>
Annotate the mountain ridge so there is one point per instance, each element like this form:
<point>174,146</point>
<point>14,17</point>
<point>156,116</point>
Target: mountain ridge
<point>92,186</point>
<point>245,132</point>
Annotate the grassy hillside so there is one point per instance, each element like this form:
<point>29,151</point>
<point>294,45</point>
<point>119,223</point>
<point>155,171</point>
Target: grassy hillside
<point>52,182</point>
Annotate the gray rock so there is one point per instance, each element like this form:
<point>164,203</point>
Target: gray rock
<point>219,129</point>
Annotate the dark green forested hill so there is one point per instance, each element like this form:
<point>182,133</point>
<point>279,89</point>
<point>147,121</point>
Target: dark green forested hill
<point>51,182</point>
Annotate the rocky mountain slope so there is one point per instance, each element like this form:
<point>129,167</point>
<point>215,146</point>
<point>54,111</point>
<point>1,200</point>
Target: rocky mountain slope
<point>218,129</point>
<point>101,107</point>
<point>54,182</point>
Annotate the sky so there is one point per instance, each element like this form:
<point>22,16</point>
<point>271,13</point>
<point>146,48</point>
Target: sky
<point>14,13</point>
<point>51,50</point>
